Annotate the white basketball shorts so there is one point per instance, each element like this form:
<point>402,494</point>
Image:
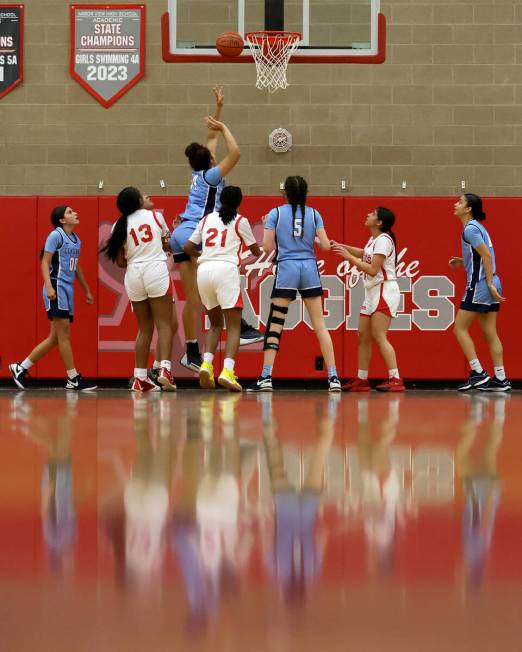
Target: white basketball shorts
<point>219,285</point>
<point>148,280</point>
<point>384,297</point>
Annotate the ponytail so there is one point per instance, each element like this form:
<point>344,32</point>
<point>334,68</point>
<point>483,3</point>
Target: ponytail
<point>296,190</point>
<point>231,198</point>
<point>475,203</point>
<point>57,215</point>
<point>387,220</point>
<point>129,201</point>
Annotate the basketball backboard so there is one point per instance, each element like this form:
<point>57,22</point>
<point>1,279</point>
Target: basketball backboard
<point>333,31</point>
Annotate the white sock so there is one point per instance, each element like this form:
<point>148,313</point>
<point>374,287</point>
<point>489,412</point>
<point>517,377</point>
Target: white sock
<point>208,357</point>
<point>156,364</point>
<point>229,364</point>
<point>71,373</point>
<point>500,373</point>
<point>141,374</point>
<point>26,364</point>
<point>362,374</point>
<point>393,373</point>
<point>476,366</point>
<point>167,364</point>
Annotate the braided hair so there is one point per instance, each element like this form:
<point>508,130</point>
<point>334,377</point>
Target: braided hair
<point>296,190</point>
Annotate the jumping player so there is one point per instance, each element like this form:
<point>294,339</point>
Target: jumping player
<point>381,301</point>
<point>222,235</point>
<point>482,298</point>
<point>60,266</point>
<point>204,197</point>
<point>292,230</point>
<point>136,242</point>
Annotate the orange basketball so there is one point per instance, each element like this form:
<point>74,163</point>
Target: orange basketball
<point>230,44</point>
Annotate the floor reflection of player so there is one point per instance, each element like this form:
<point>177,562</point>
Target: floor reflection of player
<point>481,487</point>
<point>58,509</point>
<point>296,557</point>
<point>380,501</point>
<point>206,521</point>
<point>135,520</point>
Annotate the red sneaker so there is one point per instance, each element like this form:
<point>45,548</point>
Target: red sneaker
<point>392,385</point>
<point>144,386</point>
<point>356,385</point>
<point>166,380</point>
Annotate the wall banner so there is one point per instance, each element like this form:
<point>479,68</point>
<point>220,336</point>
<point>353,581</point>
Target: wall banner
<point>107,49</point>
<point>11,46</point>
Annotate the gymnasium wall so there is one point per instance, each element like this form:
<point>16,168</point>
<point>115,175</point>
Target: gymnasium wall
<point>445,107</point>
<point>103,334</point>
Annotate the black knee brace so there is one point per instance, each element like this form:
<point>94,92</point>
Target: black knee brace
<point>274,318</point>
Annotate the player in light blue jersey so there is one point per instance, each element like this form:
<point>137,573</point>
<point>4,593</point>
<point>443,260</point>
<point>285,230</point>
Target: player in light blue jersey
<point>208,180</point>
<point>482,297</point>
<point>292,230</point>
<point>60,267</point>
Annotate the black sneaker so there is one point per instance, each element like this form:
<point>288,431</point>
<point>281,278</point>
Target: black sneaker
<point>263,384</point>
<point>334,384</point>
<point>192,362</point>
<point>79,384</point>
<point>496,385</point>
<point>19,374</point>
<point>249,334</point>
<point>475,380</point>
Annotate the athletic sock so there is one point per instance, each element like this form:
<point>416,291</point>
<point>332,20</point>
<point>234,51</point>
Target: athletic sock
<point>500,373</point>
<point>229,364</point>
<point>156,364</point>
<point>332,371</point>
<point>362,374</point>
<point>476,366</point>
<point>167,364</point>
<point>141,374</point>
<point>71,373</point>
<point>393,373</point>
<point>26,364</point>
<point>267,370</point>
<point>208,357</point>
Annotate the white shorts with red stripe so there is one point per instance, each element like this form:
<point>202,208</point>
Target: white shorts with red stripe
<point>147,280</point>
<point>219,285</point>
<point>384,297</point>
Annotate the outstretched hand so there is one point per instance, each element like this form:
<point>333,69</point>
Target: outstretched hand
<point>218,94</point>
<point>341,250</point>
<point>214,124</point>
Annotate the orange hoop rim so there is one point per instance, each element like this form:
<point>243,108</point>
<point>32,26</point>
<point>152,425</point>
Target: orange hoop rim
<point>272,35</point>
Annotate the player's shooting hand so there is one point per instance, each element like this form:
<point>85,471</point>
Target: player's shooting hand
<point>214,124</point>
<point>218,94</point>
<point>496,294</point>
<point>50,292</point>
<point>455,262</point>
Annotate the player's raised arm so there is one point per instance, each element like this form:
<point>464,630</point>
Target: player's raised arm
<point>213,135</point>
<point>233,152</point>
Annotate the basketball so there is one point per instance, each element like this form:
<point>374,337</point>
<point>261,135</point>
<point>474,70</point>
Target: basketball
<point>230,44</point>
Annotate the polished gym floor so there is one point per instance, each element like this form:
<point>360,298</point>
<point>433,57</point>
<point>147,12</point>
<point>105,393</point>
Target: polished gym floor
<point>287,521</point>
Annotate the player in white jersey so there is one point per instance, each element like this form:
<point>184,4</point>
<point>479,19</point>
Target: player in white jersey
<point>377,262</point>
<point>137,243</point>
<point>222,235</point>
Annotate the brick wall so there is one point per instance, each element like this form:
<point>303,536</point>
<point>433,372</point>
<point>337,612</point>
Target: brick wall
<point>446,106</point>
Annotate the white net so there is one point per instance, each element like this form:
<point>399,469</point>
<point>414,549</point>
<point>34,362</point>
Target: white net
<point>272,52</point>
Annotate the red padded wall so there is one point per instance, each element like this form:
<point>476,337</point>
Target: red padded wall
<point>19,294</point>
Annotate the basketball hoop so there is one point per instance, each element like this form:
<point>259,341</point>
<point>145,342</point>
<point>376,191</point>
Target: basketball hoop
<point>272,52</point>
